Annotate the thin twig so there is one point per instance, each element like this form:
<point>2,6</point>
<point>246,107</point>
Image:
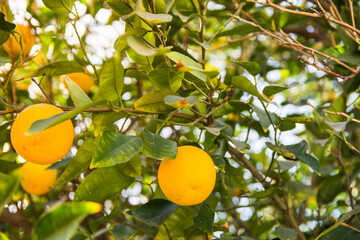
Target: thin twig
<point>315,15</point>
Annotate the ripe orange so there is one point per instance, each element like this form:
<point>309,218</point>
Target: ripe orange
<point>12,47</point>
<point>84,81</point>
<point>44,147</point>
<point>189,178</point>
<point>37,179</point>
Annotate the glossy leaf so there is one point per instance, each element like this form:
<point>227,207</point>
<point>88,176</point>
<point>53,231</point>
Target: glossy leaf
<point>115,148</point>
<point>299,150</point>
<point>186,64</point>
<point>244,84</point>
<point>164,78</point>
<point>121,231</point>
<point>204,219</point>
<point>153,102</point>
<point>102,184</point>
<point>132,168</point>
<point>155,18</point>
<point>155,212</point>
<point>144,48</point>
<point>119,7</point>
<point>55,69</point>
<point>157,147</point>
<point>111,79</point>
<point>59,6</point>
<point>105,121</point>
<point>43,124</point>
<point>252,67</point>
<point>180,102</point>
<point>62,221</point>
<point>80,162</point>
<point>264,117</point>
<point>121,42</point>
<point>8,185</point>
<point>286,233</point>
<point>274,89</point>
<point>282,150</point>
<point>78,96</point>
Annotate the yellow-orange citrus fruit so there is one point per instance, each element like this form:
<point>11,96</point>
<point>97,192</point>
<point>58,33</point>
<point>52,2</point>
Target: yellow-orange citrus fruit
<point>12,47</point>
<point>84,81</point>
<point>44,147</point>
<point>37,179</point>
<point>189,178</point>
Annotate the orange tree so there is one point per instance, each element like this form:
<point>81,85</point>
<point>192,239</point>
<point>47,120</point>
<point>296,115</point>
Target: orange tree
<point>268,89</point>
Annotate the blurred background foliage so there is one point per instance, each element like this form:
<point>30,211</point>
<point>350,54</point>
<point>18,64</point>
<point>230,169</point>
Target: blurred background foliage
<point>270,89</point>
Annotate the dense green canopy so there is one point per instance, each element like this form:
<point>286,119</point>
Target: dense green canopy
<point>269,89</point>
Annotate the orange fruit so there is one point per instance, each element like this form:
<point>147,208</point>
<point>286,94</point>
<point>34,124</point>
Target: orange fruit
<point>189,178</point>
<point>84,81</point>
<point>37,179</point>
<point>47,146</point>
<point>12,47</point>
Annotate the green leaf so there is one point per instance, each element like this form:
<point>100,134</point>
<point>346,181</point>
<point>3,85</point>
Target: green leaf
<point>102,184</point>
<point>60,6</point>
<point>155,146</point>
<point>186,64</point>
<point>155,212</point>
<point>252,67</point>
<point>5,28</point>
<point>111,79</point>
<point>105,121</point>
<point>121,43</point>
<point>266,193</point>
<point>5,25</point>
<point>3,236</point>
<point>180,102</point>
<point>264,118</point>
<point>8,185</point>
<point>343,138</point>
<point>55,69</point>
<point>132,168</point>
<point>299,150</point>
<point>164,78</point>
<point>44,124</point>
<point>78,96</point>
<point>121,231</point>
<point>80,162</point>
<point>286,233</point>
<point>119,7</point>
<point>153,102</point>
<point>282,150</point>
<point>338,105</point>
<point>180,220</point>
<point>155,18</point>
<point>244,84</point>
<point>7,166</point>
<point>239,145</point>
<point>62,221</point>
<point>115,148</point>
<point>204,219</point>
<point>4,36</point>
<point>144,48</point>
<point>215,130</point>
<point>274,89</point>
<point>346,233</point>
